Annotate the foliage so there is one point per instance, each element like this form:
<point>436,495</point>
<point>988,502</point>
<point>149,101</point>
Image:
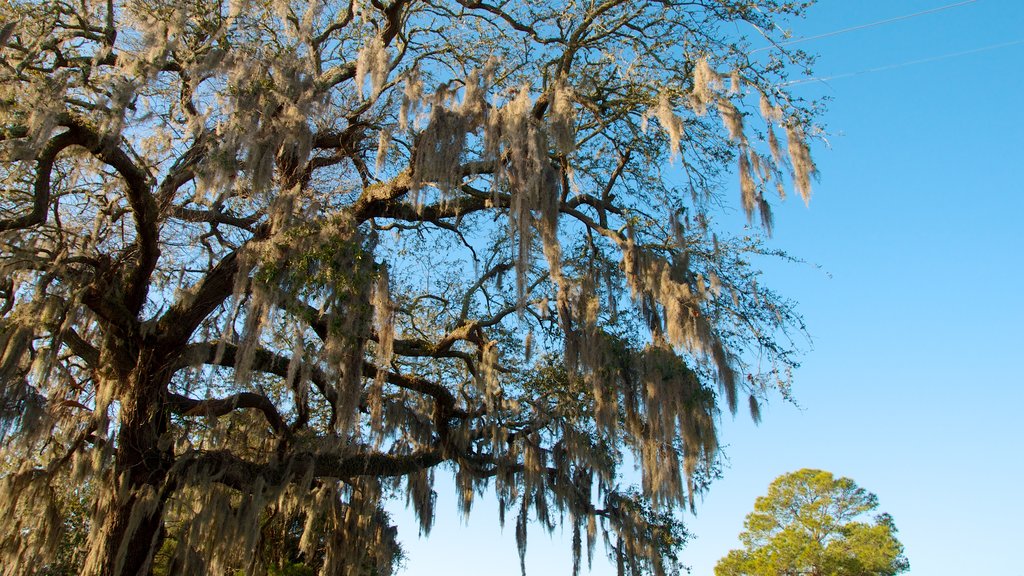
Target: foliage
<point>265,264</point>
<point>813,523</point>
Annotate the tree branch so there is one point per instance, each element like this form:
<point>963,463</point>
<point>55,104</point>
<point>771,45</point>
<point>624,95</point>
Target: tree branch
<point>226,468</point>
<point>218,354</point>
<point>140,198</point>
<point>440,394</point>
<point>214,217</point>
<point>216,407</point>
<point>176,326</point>
<point>41,186</point>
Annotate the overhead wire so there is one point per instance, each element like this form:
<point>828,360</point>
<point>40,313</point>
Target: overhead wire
<point>888,66</point>
<point>904,64</point>
<point>869,25</point>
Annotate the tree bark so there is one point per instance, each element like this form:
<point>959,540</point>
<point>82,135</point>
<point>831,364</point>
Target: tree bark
<point>132,516</point>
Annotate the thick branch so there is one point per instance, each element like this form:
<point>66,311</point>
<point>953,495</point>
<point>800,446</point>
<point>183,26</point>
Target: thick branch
<point>81,348</point>
<point>378,199</point>
<point>181,320</point>
<point>263,360</point>
<point>376,464</point>
<point>41,187</point>
<point>182,171</point>
<point>140,198</point>
<point>216,407</point>
<point>228,469</point>
<point>440,394</point>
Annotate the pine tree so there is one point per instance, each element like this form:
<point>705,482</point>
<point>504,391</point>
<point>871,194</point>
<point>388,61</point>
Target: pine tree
<point>813,523</point>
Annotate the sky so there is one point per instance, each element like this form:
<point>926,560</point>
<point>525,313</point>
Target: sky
<point>913,386</point>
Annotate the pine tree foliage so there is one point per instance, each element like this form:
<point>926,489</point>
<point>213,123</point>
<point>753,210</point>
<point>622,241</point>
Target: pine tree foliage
<point>813,523</point>
<point>265,264</point>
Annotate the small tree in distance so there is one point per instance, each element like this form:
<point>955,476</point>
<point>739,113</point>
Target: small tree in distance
<point>811,523</point>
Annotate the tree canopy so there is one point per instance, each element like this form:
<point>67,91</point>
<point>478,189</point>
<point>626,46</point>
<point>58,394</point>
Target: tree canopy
<point>813,523</point>
<point>267,263</point>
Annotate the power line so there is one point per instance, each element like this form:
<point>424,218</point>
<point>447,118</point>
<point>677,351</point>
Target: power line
<point>868,25</point>
<point>905,64</point>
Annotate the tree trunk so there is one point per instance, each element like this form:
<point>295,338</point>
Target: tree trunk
<point>131,504</point>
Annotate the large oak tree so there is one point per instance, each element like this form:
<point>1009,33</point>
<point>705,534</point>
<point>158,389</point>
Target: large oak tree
<point>266,263</point>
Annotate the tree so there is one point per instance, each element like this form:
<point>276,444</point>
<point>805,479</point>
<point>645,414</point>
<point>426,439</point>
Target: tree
<point>267,263</point>
<point>812,523</point>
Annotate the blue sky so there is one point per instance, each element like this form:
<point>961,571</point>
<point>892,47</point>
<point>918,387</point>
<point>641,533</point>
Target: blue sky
<point>913,387</point>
